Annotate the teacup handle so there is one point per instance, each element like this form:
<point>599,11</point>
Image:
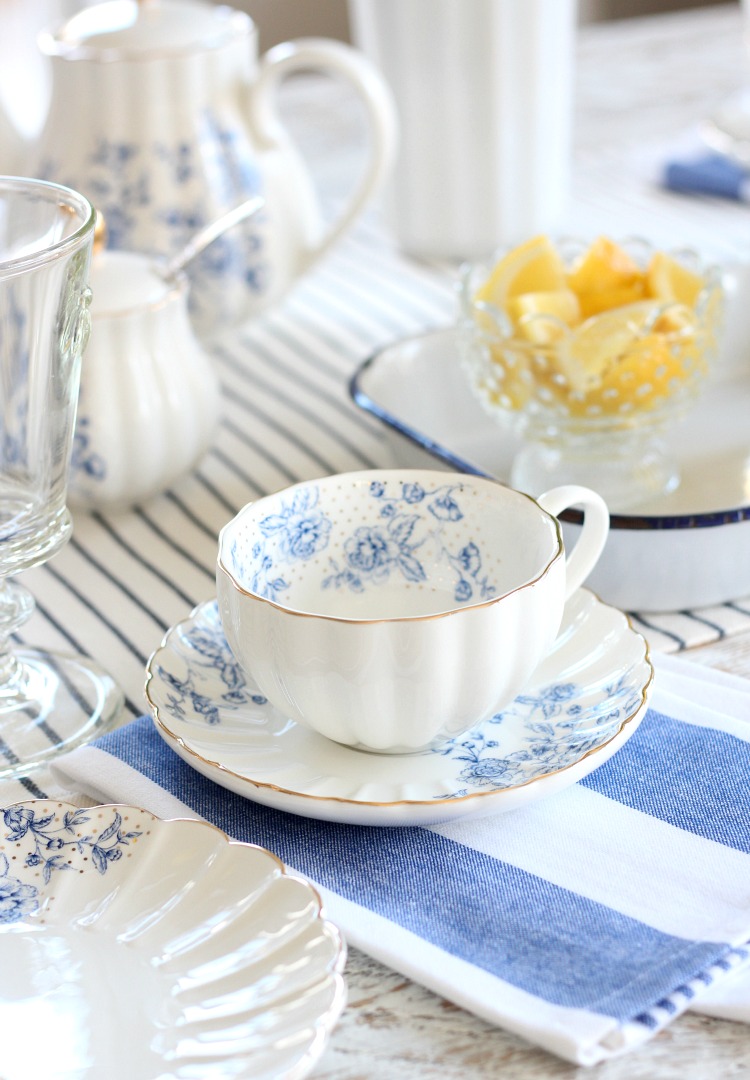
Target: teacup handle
<point>584,556</point>
<point>339,59</point>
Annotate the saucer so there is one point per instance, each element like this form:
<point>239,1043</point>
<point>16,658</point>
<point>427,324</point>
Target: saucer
<point>584,701</point>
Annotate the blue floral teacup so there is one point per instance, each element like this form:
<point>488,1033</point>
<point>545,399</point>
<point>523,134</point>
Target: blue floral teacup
<point>392,610</point>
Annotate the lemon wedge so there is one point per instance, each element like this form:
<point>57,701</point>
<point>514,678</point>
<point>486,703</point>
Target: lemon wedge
<point>622,361</point>
<point>533,267</point>
<point>597,344</point>
<point>669,280</point>
<point>542,317</point>
<point>606,277</point>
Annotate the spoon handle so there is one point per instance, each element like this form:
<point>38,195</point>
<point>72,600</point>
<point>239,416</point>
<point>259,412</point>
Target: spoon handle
<point>212,232</point>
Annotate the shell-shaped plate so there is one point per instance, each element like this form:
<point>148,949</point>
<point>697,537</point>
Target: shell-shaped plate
<point>136,948</point>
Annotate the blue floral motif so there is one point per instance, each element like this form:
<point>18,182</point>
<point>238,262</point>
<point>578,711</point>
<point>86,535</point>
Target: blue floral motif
<point>296,532</point>
<point>45,843</point>
<point>301,529</point>
<point>556,732</point>
<point>373,552</point>
<point>210,656</point>
<point>551,700</point>
<point>413,493</point>
<point>83,459</point>
<point>446,507</point>
<point>155,196</point>
<point>16,899</point>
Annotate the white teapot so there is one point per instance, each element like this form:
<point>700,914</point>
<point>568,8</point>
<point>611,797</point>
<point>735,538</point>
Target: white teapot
<point>162,114</point>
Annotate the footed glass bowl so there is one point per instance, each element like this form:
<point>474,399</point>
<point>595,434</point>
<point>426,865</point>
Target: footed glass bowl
<point>591,387</point>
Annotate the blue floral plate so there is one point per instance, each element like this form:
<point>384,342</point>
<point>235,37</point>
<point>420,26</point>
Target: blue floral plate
<point>585,700</point>
<point>134,948</point>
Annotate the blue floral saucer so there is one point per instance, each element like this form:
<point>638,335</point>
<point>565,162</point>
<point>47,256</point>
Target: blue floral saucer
<point>584,701</point>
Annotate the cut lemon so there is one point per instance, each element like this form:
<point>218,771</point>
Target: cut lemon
<point>598,342</point>
<point>669,280</point>
<point>593,303</point>
<point>606,277</point>
<point>534,267</point>
<point>639,380</point>
<point>543,317</point>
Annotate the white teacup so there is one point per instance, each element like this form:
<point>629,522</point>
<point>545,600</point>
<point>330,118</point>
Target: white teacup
<point>392,610</point>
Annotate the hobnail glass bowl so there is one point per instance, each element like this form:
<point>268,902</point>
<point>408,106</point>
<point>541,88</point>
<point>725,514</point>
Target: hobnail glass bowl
<point>604,430</point>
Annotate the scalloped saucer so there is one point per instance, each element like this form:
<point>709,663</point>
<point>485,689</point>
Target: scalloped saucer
<point>584,701</point>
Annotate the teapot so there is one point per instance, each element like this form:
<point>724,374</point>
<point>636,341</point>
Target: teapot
<point>164,116</point>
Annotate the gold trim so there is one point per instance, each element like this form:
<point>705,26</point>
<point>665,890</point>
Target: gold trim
<point>497,792</point>
<point>353,621</point>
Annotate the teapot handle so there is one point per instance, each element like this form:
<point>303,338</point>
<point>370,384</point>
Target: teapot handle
<point>338,59</point>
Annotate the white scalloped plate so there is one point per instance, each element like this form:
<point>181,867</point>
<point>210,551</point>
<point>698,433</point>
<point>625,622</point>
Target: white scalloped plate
<point>135,948</point>
<point>584,701</point>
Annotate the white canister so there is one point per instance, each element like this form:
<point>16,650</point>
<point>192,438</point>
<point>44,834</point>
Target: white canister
<point>149,399</point>
<point>484,91</point>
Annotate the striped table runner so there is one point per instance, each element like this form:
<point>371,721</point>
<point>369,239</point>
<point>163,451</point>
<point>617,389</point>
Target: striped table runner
<point>124,579</point>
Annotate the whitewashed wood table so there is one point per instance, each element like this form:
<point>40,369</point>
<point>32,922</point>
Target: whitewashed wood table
<point>125,579</point>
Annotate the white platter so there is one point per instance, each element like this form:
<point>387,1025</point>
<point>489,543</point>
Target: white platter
<point>583,702</point>
<point>728,130</point>
<point>135,948</point>
<point>685,550</point>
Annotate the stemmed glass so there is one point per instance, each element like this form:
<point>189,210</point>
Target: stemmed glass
<point>48,703</point>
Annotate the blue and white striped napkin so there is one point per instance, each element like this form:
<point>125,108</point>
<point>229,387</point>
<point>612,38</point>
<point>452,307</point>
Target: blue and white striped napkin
<point>584,923</point>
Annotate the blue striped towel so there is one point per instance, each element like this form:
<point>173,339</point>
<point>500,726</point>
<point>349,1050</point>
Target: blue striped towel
<point>585,922</point>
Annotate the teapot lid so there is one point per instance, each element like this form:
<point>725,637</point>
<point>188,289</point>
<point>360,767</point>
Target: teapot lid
<point>127,29</point>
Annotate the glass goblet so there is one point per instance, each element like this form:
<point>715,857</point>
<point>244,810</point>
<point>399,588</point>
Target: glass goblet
<point>48,703</point>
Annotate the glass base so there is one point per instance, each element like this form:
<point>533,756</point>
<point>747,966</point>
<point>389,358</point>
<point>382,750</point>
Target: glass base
<point>52,704</point>
<point>623,479</point>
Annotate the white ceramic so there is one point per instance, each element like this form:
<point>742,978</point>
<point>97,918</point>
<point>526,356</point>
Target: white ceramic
<point>163,113</point>
<point>684,550</point>
<point>134,948</point>
<point>149,400</point>
<point>392,609</point>
<point>485,98</point>
<point>583,702</point>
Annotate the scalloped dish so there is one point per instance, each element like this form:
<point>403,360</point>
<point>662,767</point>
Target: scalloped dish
<point>135,948</point>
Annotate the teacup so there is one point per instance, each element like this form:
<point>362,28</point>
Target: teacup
<point>392,610</point>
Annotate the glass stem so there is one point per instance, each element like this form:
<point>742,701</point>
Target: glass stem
<point>16,606</point>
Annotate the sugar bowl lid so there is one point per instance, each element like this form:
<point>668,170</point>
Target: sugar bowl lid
<point>128,29</point>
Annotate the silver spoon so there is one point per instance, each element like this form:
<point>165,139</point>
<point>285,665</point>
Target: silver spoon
<point>211,232</point>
